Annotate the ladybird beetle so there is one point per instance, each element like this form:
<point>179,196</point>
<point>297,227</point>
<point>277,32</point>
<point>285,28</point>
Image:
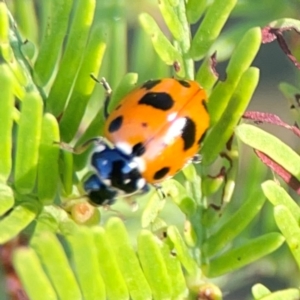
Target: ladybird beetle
<point>152,134</point>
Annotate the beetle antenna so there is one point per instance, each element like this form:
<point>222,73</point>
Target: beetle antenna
<point>108,92</point>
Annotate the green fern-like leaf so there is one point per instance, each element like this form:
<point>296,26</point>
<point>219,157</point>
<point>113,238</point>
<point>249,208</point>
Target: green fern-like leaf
<point>171,247</point>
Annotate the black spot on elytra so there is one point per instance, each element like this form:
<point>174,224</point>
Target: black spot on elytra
<point>162,101</point>
<point>138,149</point>
<point>188,134</point>
<point>115,124</point>
<point>144,124</point>
<point>204,105</point>
<point>202,137</point>
<point>161,173</point>
<point>148,85</point>
<point>184,83</point>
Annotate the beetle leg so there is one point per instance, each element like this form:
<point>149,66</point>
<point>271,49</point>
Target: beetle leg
<point>159,190</point>
<point>79,149</point>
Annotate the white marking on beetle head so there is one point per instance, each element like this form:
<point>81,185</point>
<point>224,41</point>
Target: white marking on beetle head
<point>104,162</point>
<point>140,183</point>
<point>140,162</point>
<point>174,130</point>
<point>99,148</point>
<point>171,117</point>
<point>132,165</point>
<point>124,147</point>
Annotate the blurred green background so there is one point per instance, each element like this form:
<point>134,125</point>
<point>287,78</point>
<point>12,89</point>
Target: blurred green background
<point>276,271</point>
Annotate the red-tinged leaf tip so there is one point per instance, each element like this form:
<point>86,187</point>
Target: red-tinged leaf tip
<point>261,117</point>
<point>221,174</point>
<point>213,64</point>
<point>280,171</point>
<point>269,34</point>
<point>283,45</point>
<point>296,130</point>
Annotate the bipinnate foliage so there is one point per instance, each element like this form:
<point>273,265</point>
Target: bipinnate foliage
<point>48,96</point>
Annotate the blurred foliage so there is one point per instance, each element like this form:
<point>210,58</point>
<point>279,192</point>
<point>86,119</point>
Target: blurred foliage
<point>215,219</point>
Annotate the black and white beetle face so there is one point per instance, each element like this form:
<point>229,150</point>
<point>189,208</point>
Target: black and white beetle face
<point>115,174</point>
